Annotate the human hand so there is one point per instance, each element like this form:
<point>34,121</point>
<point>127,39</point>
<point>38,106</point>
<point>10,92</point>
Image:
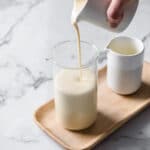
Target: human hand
<point>115,12</point>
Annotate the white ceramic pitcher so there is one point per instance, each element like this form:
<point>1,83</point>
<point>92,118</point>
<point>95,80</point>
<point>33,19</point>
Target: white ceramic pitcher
<point>94,11</point>
<point>123,71</point>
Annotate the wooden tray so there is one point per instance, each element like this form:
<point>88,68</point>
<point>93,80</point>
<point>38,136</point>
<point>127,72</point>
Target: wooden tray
<point>113,111</point>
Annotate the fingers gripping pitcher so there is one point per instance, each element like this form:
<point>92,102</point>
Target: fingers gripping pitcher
<point>94,11</point>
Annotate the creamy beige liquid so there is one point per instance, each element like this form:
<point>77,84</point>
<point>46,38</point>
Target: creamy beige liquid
<point>76,90</point>
<point>78,5</point>
<point>76,28</point>
<point>124,49</point>
<point>75,99</point>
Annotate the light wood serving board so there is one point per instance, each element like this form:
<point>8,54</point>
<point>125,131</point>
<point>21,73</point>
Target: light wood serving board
<point>113,111</point>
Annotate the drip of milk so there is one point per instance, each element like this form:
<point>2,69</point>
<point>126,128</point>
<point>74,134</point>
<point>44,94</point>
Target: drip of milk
<point>75,99</point>
<point>77,8</point>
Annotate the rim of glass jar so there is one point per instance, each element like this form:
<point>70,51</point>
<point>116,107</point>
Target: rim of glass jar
<point>74,68</point>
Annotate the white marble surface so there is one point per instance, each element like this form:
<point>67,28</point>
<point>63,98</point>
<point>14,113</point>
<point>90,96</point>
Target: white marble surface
<point>28,28</point>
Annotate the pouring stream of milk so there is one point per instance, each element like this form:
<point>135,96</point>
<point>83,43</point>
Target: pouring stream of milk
<point>78,5</point>
<point>76,28</point>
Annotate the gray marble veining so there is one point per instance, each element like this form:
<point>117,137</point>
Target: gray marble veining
<point>16,79</point>
<point>28,29</point>
<point>6,37</point>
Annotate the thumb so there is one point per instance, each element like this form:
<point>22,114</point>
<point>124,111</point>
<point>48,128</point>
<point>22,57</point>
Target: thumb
<point>115,12</point>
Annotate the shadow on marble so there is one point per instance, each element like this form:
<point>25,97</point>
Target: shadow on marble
<point>134,135</point>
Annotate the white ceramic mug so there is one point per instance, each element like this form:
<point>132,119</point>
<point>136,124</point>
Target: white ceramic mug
<point>94,11</point>
<point>124,71</point>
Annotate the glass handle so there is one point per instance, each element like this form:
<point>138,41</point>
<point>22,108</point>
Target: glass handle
<point>50,62</point>
<point>50,59</point>
<point>102,58</point>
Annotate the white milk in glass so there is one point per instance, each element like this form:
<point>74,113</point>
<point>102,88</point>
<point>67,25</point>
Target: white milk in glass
<point>75,99</point>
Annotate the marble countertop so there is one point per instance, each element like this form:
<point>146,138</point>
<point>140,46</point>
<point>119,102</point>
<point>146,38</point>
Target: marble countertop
<point>28,29</point>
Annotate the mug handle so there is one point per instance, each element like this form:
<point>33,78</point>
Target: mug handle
<point>102,58</point>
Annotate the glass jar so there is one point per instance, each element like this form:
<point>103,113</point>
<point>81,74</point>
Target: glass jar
<point>75,88</point>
